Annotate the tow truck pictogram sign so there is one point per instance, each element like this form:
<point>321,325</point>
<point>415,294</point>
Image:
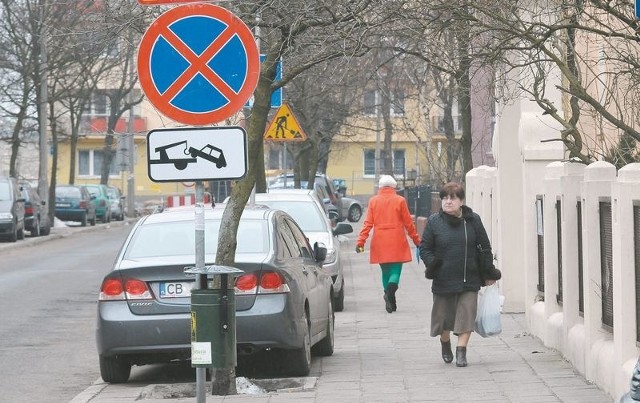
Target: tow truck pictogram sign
<point>190,154</point>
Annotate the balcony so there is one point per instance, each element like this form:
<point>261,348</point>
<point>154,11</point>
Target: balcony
<point>98,124</point>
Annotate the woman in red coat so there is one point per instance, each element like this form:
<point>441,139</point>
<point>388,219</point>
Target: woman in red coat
<point>391,221</point>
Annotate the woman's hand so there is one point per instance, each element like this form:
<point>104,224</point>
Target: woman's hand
<point>489,282</point>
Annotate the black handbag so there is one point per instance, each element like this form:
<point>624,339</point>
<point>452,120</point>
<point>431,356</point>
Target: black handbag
<point>484,260</point>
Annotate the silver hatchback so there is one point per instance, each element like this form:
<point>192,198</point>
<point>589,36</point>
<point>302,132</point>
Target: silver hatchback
<point>283,299</point>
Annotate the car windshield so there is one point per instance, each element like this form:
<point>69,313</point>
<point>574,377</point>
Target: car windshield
<point>178,239</point>
<point>306,214</point>
<point>93,190</point>
<point>67,192</point>
<point>5,192</point>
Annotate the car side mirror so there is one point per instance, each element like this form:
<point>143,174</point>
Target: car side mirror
<point>342,228</point>
<point>320,252</point>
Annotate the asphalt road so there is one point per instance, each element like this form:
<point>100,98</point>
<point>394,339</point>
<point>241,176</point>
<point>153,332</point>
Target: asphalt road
<point>48,291</point>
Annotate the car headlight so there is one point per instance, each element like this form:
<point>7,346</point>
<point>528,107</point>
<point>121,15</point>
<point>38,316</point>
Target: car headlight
<point>332,255</point>
<point>6,216</point>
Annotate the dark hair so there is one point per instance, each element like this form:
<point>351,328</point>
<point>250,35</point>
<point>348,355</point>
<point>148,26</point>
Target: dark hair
<point>452,189</point>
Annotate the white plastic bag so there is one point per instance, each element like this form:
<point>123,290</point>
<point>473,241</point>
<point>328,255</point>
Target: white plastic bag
<point>488,322</point>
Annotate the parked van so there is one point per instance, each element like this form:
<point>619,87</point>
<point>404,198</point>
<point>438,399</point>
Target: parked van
<point>11,210</point>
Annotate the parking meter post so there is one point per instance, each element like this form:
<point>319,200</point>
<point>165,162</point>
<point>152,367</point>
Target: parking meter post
<point>201,285</point>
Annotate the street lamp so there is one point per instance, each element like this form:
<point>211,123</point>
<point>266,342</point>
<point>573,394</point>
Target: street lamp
<point>412,175</point>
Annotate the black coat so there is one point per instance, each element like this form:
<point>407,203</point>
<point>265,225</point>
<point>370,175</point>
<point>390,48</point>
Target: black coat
<point>450,249</point>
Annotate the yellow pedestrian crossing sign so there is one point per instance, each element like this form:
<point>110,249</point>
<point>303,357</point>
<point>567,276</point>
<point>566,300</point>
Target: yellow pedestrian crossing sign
<point>284,126</point>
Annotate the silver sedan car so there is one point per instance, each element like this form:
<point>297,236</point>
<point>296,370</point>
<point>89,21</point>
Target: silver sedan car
<point>305,207</point>
<point>351,209</point>
<point>284,299</point>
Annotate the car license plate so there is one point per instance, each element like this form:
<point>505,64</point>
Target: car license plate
<point>63,204</point>
<point>175,289</point>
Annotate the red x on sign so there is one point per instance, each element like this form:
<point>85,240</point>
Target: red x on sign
<point>198,64</point>
<point>156,2</point>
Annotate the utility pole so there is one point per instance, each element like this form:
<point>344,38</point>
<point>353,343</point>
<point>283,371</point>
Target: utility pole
<point>377,152</point>
<point>43,177</point>
<point>131,144</point>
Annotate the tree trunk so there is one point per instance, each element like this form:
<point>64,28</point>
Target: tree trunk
<point>464,98</point>
<point>223,381</point>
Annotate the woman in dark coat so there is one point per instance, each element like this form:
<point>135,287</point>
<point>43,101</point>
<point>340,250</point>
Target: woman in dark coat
<point>454,245</point>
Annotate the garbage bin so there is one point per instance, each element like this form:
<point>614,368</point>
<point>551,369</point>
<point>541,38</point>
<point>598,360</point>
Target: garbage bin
<point>213,330</point>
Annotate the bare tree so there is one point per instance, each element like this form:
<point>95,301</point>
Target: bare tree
<point>551,43</point>
<point>305,35</point>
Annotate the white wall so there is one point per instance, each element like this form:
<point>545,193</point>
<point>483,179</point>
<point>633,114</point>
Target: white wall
<point>603,355</point>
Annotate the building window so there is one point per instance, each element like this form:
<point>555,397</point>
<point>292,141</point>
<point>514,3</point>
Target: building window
<point>99,103</point>
<point>397,102</point>
<point>369,157</point>
<point>438,124</point>
<point>369,162</point>
<point>369,103</point>
<point>90,163</point>
<point>398,163</point>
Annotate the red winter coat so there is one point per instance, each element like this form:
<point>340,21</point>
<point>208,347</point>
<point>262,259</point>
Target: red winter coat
<point>390,219</point>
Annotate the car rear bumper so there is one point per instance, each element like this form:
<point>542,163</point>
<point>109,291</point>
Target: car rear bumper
<point>7,228</point>
<point>29,223</point>
<point>70,215</point>
<point>267,324</point>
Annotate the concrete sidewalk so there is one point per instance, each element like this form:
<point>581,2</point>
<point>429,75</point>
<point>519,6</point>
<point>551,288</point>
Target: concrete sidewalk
<point>381,357</point>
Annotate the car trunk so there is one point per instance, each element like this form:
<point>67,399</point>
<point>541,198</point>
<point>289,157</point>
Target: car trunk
<point>171,289</point>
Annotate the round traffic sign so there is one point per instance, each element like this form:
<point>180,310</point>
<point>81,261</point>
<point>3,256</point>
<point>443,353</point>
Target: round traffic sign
<point>198,64</point>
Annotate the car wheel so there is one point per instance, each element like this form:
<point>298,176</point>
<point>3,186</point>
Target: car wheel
<point>46,229</point>
<point>83,219</point>
<point>114,369</point>
<point>14,234</point>
<point>355,213</point>
<point>339,299</point>
<point>35,231</point>
<point>324,348</point>
<point>298,361</point>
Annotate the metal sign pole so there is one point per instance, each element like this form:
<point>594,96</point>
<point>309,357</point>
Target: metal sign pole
<point>201,279</point>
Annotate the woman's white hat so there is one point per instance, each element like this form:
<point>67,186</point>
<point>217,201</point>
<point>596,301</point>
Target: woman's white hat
<point>387,181</point>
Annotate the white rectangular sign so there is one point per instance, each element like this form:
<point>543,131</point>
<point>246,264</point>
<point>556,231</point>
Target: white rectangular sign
<point>202,153</point>
<point>200,353</point>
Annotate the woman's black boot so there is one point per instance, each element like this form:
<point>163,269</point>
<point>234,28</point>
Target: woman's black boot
<point>461,356</point>
<point>447,354</point>
<point>387,302</point>
<point>391,292</point>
